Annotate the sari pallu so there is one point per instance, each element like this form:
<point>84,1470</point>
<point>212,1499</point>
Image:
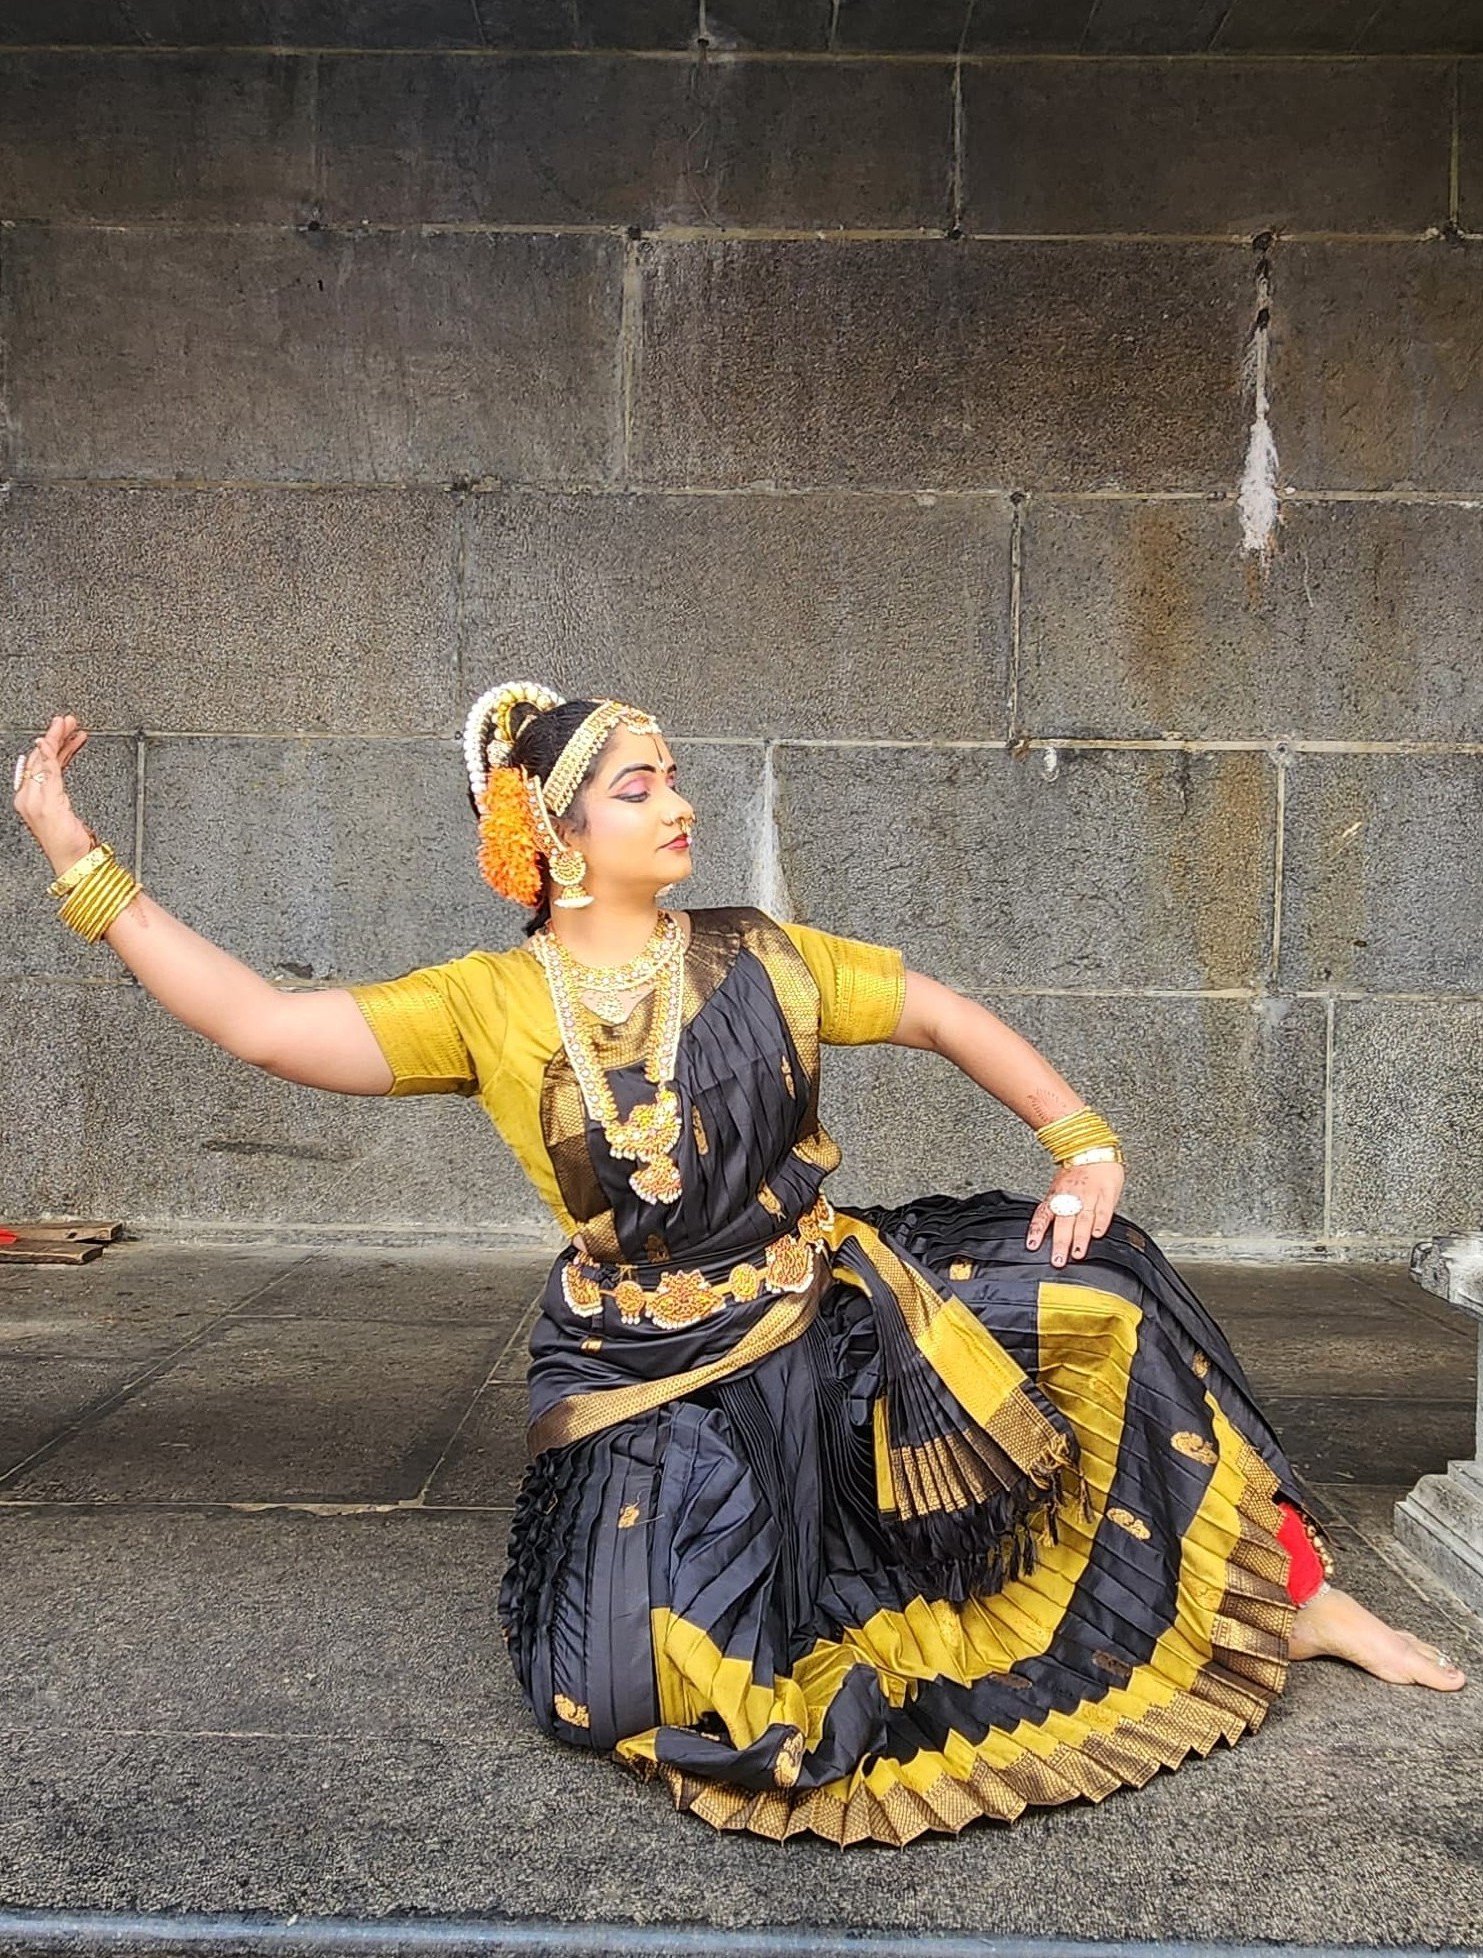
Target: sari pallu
<point>930,1537</point>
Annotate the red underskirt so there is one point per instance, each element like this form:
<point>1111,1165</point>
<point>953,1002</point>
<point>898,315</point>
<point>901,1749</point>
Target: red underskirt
<point>1306,1571</point>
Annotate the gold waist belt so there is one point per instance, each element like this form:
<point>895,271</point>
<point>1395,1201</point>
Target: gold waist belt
<point>576,1416</point>
<point>681,1297</point>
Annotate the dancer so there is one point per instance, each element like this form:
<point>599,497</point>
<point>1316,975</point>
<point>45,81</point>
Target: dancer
<point>864,1522</point>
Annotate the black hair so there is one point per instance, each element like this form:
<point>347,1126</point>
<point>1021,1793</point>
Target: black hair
<point>538,737</point>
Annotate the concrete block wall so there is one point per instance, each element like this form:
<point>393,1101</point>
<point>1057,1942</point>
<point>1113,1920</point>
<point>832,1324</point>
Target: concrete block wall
<point>878,413</point>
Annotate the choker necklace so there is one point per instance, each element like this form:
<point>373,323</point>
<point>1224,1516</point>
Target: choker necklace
<point>608,984</point>
<point>649,1133</point>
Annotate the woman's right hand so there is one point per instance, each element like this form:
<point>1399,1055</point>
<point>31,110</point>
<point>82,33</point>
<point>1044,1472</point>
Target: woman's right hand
<point>41,799</point>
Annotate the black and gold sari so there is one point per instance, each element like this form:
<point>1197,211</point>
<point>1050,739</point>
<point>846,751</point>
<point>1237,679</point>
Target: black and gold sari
<point>867,1523</point>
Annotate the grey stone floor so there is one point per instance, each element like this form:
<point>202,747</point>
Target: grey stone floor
<point>252,1509</point>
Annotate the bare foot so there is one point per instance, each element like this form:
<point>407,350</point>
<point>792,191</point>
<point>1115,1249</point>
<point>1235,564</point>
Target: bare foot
<point>1337,1626</point>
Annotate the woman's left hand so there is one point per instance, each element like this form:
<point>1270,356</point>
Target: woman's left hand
<point>1099,1185</point>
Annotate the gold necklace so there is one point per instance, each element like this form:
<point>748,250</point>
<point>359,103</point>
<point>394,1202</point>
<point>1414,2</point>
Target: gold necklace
<point>608,984</point>
<point>648,1134</point>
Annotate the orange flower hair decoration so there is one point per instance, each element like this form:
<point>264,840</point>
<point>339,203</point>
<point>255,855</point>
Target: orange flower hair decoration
<point>510,849</point>
<point>509,854</point>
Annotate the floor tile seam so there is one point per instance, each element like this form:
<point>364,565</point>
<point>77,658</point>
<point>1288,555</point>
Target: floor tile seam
<point>469,1412</point>
<point>1425,1304</point>
<point>1296,1351</point>
<point>528,1314</point>
<point>1371,1306</point>
<point>357,1319</point>
<point>1333,1496</point>
<point>1400,1392</point>
<point>1466,1762</point>
<point>128,1390</point>
<point>480,1926</point>
<point>249,1506</point>
<point>511,1379</point>
<point>92,1357</point>
<point>497,1730</point>
<point>1450,1403</point>
<point>1324,1482</point>
<point>80,1930</point>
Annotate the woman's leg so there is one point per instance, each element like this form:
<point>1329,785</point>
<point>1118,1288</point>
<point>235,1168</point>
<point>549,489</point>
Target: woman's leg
<point>1332,1624</point>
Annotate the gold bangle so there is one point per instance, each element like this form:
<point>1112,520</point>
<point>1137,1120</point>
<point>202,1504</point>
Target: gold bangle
<point>1064,1120</point>
<point>90,913</point>
<point>108,903</point>
<point>123,897</point>
<point>83,918</point>
<point>1076,1138</point>
<point>80,900</point>
<point>1082,1129</point>
<point>1063,1155</point>
<point>1070,1125</point>
<point>75,872</point>
<point>1086,1113</point>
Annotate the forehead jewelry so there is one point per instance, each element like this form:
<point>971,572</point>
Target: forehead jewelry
<point>565,778</point>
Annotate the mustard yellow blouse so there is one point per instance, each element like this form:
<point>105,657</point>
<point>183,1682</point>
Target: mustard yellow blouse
<point>483,1025</point>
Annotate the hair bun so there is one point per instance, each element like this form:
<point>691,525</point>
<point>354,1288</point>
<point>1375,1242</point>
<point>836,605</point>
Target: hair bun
<point>486,728</point>
<point>523,712</point>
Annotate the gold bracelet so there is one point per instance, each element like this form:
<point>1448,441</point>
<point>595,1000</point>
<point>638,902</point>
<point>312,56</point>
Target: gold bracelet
<point>74,873</point>
<point>1077,1116</point>
<point>1063,1152</point>
<point>1070,1134</point>
<point>96,922</point>
<point>79,900</point>
<point>1067,1125</point>
<point>89,901</point>
<point>106,897</point>
<point>98,901</point>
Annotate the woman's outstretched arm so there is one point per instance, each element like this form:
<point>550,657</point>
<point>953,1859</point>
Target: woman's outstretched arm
<point>320,1039</point>
<point>935,1017</point>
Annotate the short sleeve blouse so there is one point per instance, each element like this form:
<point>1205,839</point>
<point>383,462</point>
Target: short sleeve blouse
<point>441,1027</point>
<point>862,987</point>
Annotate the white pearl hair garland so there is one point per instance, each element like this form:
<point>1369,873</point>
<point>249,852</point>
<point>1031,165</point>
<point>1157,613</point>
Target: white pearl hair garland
<point>480,756</point>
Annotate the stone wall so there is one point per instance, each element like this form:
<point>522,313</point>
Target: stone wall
<point>892,420</point>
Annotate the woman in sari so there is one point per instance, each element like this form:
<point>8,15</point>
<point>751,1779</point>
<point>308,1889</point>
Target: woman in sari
<point>862,1523</point>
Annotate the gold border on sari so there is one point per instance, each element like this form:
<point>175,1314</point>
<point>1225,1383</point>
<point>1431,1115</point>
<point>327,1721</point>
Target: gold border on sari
<point>1213,1676</point>
<point>576,1416</point>
<point>985,1380</point>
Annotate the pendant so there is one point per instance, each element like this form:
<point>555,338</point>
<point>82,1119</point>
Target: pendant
<point>657,1181</point>
<point>652,1129</point>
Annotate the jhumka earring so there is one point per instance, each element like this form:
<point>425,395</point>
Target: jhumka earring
<point>568,868</point>
<point>567,864</point>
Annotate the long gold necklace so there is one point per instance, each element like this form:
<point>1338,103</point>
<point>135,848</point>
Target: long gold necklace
<point>607,985</point>
<point>648,1134</point>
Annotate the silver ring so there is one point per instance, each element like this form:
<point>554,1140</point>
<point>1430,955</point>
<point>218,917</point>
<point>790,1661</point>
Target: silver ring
<point>1064,1203</point>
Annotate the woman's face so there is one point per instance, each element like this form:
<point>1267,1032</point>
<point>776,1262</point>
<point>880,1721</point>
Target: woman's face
<point>633,818</point>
